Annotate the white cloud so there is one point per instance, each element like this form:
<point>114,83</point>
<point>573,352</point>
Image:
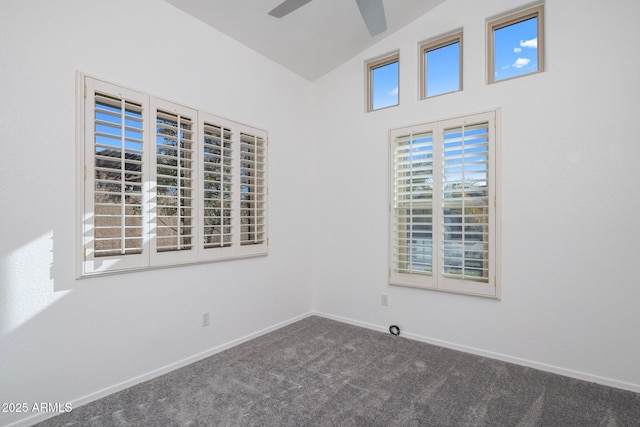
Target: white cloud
<point>533,43</point>
<point>517,49</point>
<point>394,92</point>
<point>521,62</point>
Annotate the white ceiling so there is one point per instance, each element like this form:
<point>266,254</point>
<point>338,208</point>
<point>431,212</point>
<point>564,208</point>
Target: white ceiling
<point>310,41</point>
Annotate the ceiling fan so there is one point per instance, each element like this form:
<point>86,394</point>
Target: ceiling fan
<point>372,12</point>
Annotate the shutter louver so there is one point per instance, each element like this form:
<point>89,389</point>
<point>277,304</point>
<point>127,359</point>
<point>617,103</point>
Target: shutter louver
<point>217,202</point>
<point>465,203</point>
<point>413,204</point>
<point>252,190</point>
<point>118,151</point>
<point>175,165</point>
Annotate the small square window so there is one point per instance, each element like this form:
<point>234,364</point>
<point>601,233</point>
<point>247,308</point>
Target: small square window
<point>441,66</point>
<point>515,45</point>
<point>382,82</point>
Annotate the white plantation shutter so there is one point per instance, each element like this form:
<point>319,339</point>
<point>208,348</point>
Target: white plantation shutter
<point>114,226</point>
<point>443,224</point>
<point>253,188</point>
<point>217,186</point>
<point>412,242</point>
<point>164,184</point>
<point>234,189</point>
<point>174,178</point>
<point>118,176</point>
<point>465,227</point>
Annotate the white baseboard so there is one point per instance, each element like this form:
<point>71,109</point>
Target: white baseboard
<point>29,421</point>
<point>492,355</point>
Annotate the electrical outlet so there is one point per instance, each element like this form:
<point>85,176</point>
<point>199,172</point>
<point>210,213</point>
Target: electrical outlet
<point>205,319</point>
<point>384,300</point>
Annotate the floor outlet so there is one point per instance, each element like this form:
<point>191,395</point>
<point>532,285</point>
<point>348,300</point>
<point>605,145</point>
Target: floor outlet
<point>205,319</point>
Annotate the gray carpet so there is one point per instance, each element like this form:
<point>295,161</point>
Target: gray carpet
<point>318,372</point>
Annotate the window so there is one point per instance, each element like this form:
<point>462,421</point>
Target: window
<point>164,184</point>
<point>443,231</point>
<point>515,45</point>
<point>441,66</point>
<point>383,82</point>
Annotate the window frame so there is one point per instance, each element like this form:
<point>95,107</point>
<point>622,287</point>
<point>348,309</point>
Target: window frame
<point>436,280</point>
<point>435,44</point>
<point>88,264</point>
<point>512,18</point>
<point>372,65</point>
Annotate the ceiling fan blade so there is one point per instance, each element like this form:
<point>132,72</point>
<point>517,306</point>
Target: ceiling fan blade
<point>372,12</point>
<point>286,7</point>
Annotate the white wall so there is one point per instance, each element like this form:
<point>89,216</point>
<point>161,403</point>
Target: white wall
<point>570,234</point>
<point>63,339</point>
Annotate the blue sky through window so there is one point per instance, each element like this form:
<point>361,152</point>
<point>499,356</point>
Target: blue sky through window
<point>442,67</point>
<point>515,54</point>
<point>384,86</point>
<point>516,49</point>
<point>108,128</point>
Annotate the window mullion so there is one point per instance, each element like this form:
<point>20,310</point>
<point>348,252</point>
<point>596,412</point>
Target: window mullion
<point>463,220</point>
<point>123,211</point>
<point>254,206</point>
<point>437,204</point>
<point>222,186</point>
<point>179,180</point>
<point>410,215</point>
<point>235,191</point>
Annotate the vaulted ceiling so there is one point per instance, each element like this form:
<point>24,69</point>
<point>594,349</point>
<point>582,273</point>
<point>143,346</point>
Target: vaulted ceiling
<point>310,41</point>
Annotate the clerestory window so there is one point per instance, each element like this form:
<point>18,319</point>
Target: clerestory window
<point>515,45</point>
<point>383,82</point>
<point>441,65</point>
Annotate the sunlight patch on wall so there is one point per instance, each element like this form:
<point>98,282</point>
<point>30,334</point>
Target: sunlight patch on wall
<point>26,285</point>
